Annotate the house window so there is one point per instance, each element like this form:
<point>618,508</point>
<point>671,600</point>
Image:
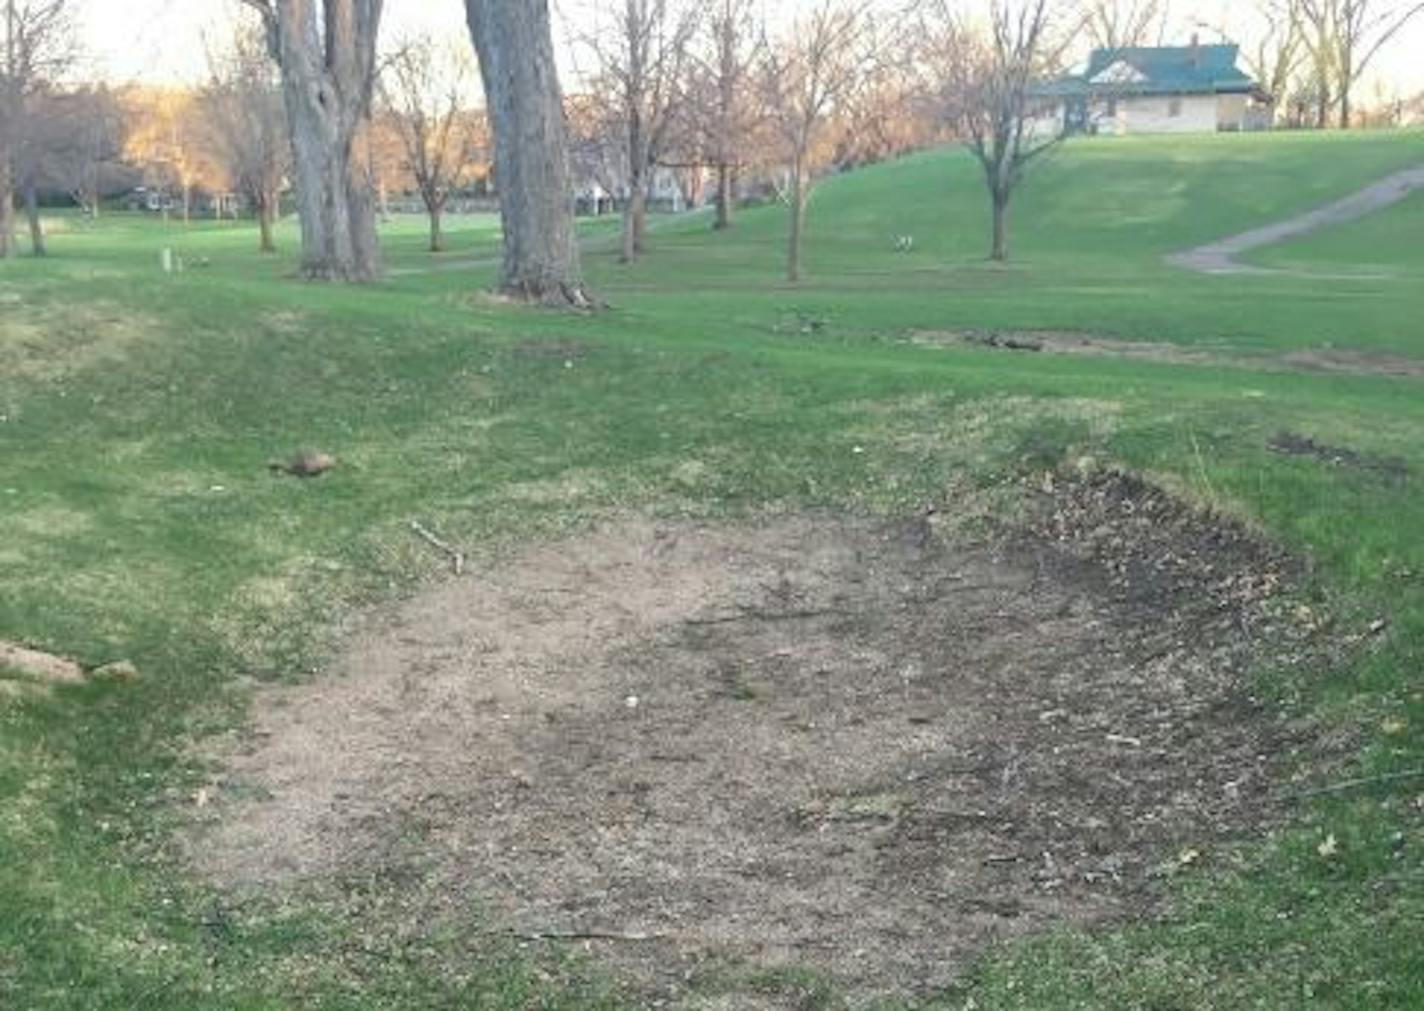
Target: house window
<point>1174,106</point>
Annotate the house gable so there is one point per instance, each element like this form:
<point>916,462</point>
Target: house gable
<point>1120,72</point>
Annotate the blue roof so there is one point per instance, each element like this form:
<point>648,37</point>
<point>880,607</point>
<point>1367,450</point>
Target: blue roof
<point>1158,70</point>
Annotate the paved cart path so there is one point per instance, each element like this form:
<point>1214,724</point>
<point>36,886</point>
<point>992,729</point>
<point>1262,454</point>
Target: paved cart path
<point>1219,257</point>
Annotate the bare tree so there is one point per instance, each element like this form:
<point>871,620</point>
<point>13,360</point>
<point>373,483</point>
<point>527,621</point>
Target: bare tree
<point>38,45</point>
<point>93,158</point>
<point>807,74</point>
<point>1280,51</point>
<point>426,90</point>
<point>327,55</point>
<point>243,110</point>
<point>72,145</point>
<point>515,45</point>
<point>1124,24</point>
<point>723,106</point>
<point>1345,38</point>
<point>987,76</point>
<point>640,57</point>
<point>597,152</point>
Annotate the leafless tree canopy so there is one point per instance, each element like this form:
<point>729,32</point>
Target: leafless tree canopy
<point>720,111</point>
<point>813,69</point>
<point>37,46</point>
<point>247,125</point>
<point>641,54</point>
<point>987,72</point>
<point>1124,24</point>
<point>1343,38</point>
<point>425,90</point>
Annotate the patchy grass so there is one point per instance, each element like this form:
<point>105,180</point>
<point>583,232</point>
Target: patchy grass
<point>138,520</point>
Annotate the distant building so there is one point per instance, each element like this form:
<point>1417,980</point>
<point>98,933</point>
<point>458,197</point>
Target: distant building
<point>1160,89</point>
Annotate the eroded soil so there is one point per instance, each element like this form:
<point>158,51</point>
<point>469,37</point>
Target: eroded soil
<point>1317,360</point>
<point>866,748</point>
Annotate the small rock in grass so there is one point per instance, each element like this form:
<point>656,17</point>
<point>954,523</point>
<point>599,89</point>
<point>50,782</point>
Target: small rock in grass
<point>122,670</point>
<point>306,463</point>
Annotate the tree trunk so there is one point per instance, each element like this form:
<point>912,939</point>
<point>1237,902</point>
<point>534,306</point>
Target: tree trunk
<point>1345,110</point>
<point>187,203</point>
<point>526,113</point>
<point>635,222</point>
<point>32,211</point>
<point>7,210</point>
<point>798,219</point>
<point>1000,251</point>
<point>328,71</point>
<point>724,197</point>
<point>629,251</point>
<point>437,234</point>
<point>266,214</point>
<point>640,219</point>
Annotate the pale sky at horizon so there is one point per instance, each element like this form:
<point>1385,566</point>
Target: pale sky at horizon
<point>163,40</point>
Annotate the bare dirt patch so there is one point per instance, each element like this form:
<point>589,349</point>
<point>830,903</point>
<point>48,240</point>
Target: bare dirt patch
<point>1392,469</point>
<point>1322,360</point>
<point>1334,360</point>
<point>864,747</point>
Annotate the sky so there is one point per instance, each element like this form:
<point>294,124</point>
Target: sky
<point>162,41</point>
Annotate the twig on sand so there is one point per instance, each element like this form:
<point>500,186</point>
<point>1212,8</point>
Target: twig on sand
<point>1002,858</point>
<point>752,614</point>
<point>1354,784</point>
<point>456,556</point>
<point>585,935</point>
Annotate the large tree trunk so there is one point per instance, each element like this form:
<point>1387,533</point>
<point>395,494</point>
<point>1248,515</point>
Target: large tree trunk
<point>526,113</point>
<point>328,70</point>
<point>32,212</point>
<point>724,197</point>
<point>798,219</point>
<point>999,253</point>
<point>7,210</point>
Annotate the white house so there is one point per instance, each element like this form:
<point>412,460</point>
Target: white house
<point>1160,89</point>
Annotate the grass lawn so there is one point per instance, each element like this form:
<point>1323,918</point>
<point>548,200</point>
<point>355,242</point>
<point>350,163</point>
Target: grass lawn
<point>138,521</point>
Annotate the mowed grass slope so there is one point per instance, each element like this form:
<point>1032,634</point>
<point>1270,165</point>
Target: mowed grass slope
<point>1388,242</point>
<point>138,520</point>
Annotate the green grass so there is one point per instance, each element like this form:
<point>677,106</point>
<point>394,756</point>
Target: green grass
<point>137,520</point>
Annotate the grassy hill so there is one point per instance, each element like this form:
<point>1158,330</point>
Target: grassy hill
<point>137,520</point>
<point>1384,243</point>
